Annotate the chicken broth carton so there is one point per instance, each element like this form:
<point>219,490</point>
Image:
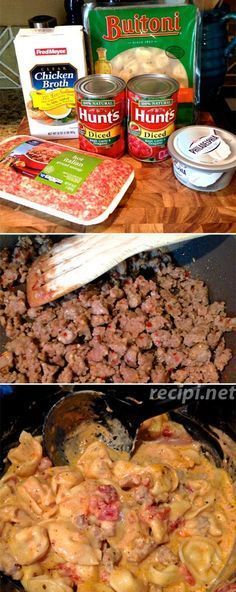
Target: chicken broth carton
<point>50,61</point>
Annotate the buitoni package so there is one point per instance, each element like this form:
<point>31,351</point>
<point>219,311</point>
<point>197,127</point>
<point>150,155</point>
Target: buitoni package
<point>135,39</point>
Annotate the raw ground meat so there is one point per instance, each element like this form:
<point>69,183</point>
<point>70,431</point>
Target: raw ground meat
<point>89,201</point>
<point>145,321</point>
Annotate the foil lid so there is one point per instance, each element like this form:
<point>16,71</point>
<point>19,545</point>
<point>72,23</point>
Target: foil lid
<point>204,147</point>
<point>209,149</point>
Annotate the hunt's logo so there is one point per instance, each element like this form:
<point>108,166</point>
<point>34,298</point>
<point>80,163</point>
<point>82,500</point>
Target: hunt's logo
<point>110,117</point>
<point>144,116</point>
<point>137,26</point>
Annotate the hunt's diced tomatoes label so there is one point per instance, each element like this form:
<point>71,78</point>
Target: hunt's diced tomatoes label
<point>151,120</point>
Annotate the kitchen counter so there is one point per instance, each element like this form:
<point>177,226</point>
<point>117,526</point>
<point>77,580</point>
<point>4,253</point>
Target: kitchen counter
<point>155,202</point>
<point>12,109</point>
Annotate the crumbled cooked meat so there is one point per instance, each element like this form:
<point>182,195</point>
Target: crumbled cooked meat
<point>6,360</point>
<point>206,373</point>
<point>222,355</point>
<point>15,304</point>
<point>200,353</point>
<point>97,353</point>
<point>147,320</point>
<point>159,374</point>
<point>110,557</point>
<point>67,336</point>
<point>129,374</point>
<point>81,522</point>
<point>145,361</point>
<point>44,464</point>
<point>101,371</point>
<point>49,372</point>
<point>166,556</point>
<point>130,356</point>
<point>140,549</point>
<point>65,375</point>
<point>142,495</point>
<point>54,353</point>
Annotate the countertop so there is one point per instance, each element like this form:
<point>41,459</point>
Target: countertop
<point>155,202</point>
<point>12,110</point>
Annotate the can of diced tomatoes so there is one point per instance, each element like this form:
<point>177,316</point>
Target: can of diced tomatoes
<point>152,108</point>
<point>101,111</point>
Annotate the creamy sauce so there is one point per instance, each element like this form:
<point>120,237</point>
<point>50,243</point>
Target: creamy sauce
<point>164,518</point>
<point>87,432</point>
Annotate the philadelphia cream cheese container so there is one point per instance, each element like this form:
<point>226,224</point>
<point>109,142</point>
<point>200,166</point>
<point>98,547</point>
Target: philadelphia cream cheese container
<point>204,157</point>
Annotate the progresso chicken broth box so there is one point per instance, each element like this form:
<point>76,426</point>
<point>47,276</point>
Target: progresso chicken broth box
<point>126,41</point>
<point>50,61</point>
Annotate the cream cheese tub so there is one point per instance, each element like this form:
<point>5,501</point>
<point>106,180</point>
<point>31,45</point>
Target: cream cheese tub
<point>204,157</point>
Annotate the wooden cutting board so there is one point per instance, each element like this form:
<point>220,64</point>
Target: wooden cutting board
<point>156,202</point>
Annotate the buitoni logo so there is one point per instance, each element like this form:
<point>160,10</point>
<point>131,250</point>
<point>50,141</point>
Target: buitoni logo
<point>50,51</point>
<point>117,28</point>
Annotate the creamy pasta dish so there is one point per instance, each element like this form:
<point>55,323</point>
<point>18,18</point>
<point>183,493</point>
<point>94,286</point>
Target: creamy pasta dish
<point>160,521</point>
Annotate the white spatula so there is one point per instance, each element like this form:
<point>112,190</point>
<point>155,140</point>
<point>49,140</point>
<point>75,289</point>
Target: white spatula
<point>77,260</point>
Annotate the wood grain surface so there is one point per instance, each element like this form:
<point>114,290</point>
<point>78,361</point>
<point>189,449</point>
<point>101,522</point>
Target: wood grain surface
<point>155,202</point>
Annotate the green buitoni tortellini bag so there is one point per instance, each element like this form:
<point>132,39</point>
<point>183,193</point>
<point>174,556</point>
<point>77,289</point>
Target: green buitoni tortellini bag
<point>127,40</point>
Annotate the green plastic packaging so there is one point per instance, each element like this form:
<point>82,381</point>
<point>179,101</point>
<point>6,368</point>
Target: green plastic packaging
<point>127,40</point>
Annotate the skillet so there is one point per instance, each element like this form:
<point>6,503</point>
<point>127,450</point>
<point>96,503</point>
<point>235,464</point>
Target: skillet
<point>211,258</point>
<point>130,405</point>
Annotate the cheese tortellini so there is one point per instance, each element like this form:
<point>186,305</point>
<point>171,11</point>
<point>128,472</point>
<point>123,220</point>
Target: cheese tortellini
<point>122,580</point>
<point>70,545</point>
<point>29,545</point>
<point>162,521</point>
<point>27,456</point>
<point>203,558</point>
<point>42,583</point>
<point>169,575</point>
<point>148,60</point>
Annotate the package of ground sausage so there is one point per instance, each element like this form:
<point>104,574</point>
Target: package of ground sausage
<point>77,186</point>
<point>136,38</point>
